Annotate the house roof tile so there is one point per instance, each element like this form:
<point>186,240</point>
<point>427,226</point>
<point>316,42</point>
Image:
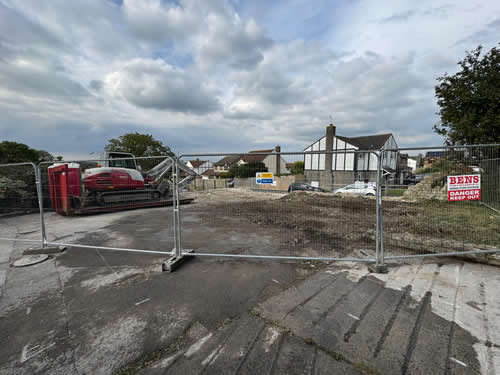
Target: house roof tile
<point>197,163</point>
<point>367,142</point>
<point>228,160</point>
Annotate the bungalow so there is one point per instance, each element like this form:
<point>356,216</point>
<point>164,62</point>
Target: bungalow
<point>269,157</point>
<point>227,162</point>
<point>345,167</point>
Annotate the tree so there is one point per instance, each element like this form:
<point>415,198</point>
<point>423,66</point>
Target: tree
<point>141,145</point>
<point>13,152</point>
<point>17,183</point>
<point>470,100</point>
<point>247,170</point>
<point>298,167</point>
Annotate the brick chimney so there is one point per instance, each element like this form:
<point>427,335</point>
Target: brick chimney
<point>278,159</point>
<point>330,133</point>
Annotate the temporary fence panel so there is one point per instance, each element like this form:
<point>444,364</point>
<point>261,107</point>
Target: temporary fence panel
<point>281,205</point>
<point>19,203</point>
<point>441,201</point>
<point>118,203</point>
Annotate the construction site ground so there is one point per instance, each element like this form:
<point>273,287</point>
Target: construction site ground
<point>88,311</point>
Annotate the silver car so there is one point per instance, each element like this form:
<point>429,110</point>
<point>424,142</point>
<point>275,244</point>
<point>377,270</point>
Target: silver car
<point>359,188</point>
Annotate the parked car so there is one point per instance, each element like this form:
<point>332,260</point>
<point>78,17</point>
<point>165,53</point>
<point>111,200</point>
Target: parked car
<point>230,183</point>
<point>476,169</point>
<point>304,187</point>
<point>415,179</point>
<point>360,188</point>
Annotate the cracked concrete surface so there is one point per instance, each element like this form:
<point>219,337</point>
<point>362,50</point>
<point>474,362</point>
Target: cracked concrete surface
<point>96,312</point>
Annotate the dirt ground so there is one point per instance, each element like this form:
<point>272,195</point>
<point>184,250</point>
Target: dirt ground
<point>323,224</point>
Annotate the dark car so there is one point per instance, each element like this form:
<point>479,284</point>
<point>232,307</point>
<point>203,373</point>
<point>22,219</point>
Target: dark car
<point>413,180</point>
<point>304,187</point>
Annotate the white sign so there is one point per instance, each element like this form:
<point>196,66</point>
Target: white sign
<point>264,178</point>
<point>464,187</point>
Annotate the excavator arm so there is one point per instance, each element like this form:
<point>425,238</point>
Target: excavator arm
<point>157,172</point>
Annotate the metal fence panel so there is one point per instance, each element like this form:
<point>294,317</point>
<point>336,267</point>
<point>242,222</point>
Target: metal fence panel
<point>297,215</point>
<point>18,197</point>
<point>123,204</point>
<point>418,217</point>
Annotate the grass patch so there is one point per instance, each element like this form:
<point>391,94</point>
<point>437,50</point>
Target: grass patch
<point>395,192</point>
<point>458,221</point>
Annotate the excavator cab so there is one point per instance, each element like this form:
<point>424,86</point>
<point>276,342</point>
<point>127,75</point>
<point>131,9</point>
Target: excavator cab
<point>118,160</point>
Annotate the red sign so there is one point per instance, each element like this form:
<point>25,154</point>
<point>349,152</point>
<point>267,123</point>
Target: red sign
<point>465,187</point>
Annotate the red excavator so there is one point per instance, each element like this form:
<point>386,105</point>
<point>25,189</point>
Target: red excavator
<point>115,183</point>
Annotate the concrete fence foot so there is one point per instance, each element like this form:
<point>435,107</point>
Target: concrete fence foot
<point>44,250</point>
<point>381,268</point>
<point>171,264</point>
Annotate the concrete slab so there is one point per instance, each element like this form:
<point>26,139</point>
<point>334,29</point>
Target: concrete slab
<point>248,345</point>
<point>406,322</point>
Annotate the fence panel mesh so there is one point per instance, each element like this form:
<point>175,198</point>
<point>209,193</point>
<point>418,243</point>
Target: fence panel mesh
<point>418,215</point>
<point>18,189</point>
<point>130,196</point>
<point>18,199</point>
<point>296,212</point>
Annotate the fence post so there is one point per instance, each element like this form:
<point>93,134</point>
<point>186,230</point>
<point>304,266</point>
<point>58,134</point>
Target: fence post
<point>379,266</point>
<point>177,232</point>
<point>177,258</point>
<point>377,203</point>
<point>381,222</point>
<point>38,181</point>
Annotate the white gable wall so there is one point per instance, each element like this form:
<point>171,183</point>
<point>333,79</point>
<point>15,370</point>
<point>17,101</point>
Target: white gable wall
<point>390,157</point>
<point>340,161</point>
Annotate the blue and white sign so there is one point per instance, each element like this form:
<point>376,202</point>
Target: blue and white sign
<point>264,178</point>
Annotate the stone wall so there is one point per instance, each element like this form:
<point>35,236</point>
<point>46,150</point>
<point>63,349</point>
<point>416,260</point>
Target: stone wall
<point>200,184</point>
<point>282,183</point>
<point>424,190</point>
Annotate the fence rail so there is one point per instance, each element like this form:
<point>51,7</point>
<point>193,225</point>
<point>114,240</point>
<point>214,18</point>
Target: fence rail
<point>367,205</point>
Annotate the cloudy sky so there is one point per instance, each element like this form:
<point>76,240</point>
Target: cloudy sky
<point>228,75</point>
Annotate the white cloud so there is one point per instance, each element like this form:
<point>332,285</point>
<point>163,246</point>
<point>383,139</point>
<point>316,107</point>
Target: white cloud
<point>155,84</point>
<point>152,20</point>
<point>204,75</point>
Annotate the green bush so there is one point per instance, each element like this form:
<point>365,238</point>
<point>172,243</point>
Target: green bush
<point>298,167</point>
<point>247,170</point>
